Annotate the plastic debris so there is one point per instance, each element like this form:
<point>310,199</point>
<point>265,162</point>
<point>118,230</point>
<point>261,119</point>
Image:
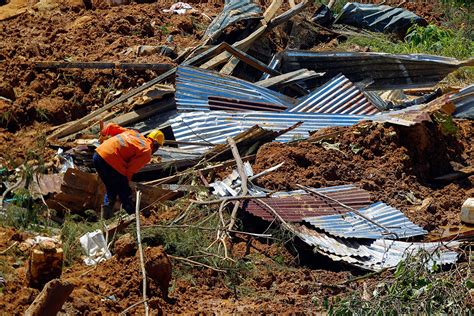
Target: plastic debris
<point>95,247</point>
<point>179,8</point>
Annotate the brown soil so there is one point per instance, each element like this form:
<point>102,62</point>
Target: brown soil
<point>158,268</point>
<point>392,162</point>
<point>116,284</point>
<point>58,96</point>
<point>125,246</point>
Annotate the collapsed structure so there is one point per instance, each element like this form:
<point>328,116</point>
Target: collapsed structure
<point>297,93</point>
<point>219,94</point>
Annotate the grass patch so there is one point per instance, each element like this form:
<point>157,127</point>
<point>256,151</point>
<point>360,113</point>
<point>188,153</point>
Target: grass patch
<point>70,233</point>
<point>419,40</point>
<point>414,289</point>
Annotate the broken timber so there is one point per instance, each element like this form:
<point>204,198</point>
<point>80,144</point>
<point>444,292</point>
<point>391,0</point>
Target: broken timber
<point>51,298</point>
<point>102,65</point>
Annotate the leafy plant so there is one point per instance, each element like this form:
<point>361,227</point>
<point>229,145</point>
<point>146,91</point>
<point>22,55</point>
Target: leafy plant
<point>416,288</point>
<point>419,40</point>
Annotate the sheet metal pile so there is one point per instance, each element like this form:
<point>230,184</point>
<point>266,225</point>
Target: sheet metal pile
<point>222,90</point>
<point>373,236</point>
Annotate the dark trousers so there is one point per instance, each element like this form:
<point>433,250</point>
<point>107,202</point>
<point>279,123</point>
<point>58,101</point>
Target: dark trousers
<point>116,184</point>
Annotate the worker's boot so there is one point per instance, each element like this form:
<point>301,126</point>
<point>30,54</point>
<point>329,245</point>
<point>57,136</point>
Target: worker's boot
<point>106,211</point>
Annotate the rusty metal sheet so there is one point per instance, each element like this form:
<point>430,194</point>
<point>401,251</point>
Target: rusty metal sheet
<point>295,207</point>
<point>47,183</point>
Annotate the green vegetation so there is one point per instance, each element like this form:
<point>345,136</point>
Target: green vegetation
<point>419,40</point>
<point>70,234</point>
<point>415,288</point>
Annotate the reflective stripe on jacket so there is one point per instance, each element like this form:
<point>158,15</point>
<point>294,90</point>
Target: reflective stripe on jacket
<point>127,151</point>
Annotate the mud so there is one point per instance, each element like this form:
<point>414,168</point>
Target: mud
<point>158,268</point>
<point>125,246</point>
<point>116,284</point>
<point>57,96</point>
<point>396,164</point>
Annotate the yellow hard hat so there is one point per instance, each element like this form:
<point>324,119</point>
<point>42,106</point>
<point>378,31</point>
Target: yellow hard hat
<point>158,136</point>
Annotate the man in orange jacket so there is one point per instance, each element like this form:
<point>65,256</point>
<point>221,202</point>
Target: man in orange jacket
<point>118,158</point>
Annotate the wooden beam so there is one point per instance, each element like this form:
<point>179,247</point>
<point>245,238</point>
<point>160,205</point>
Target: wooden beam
<point>51,298</point>
<point>145,112</point>
<point>102,65</point>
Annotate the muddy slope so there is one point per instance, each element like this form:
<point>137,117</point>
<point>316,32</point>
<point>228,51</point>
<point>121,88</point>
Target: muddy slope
<point>396,164</point>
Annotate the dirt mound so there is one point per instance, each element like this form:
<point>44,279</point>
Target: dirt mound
<point>397,164</point>
<point>158,268</point>
<point>106,35</point>
<point>110,287</point>
<point>125,246</point>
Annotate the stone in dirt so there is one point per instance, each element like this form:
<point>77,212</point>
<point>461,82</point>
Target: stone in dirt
<point>45,263</point>
<point>125,246</point>
<point>6,91</point>
<point>158,268</point>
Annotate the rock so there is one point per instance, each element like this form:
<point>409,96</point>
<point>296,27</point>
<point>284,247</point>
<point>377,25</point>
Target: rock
<point>6,91</point>
<point>125,246</point>
<point>158,268</point>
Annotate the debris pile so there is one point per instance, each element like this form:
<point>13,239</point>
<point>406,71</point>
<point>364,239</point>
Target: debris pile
<point>360,156</point>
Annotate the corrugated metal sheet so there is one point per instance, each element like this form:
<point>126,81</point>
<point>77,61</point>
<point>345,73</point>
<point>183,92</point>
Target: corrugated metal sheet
<point>233,12</point>
<point>379,18</point>
<point>388,71</point>
<point>376,255</point>
<point>351,225</point>
<point>195,86</point>
<point>295,207</point>
<point>214,127</point>
<point>464,101</point>
<point>338,96</point>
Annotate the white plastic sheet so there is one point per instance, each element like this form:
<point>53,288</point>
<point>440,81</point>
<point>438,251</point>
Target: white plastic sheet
<point>96,247</point>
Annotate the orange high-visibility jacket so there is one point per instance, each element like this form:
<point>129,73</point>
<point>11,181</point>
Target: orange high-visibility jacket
<point>127,151</point>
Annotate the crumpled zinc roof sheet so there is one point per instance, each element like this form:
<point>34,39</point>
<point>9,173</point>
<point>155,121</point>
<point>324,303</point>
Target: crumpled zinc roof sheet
<point>215,126</point>
<point>295,207</point>
<point>375,255</point>
<point>351,225</point>
<point>340,96</point>
<point>378,18</point>
<point>195,86</point>
<point>233,12</point>
<point>388,71</point>
<point>464,101</point>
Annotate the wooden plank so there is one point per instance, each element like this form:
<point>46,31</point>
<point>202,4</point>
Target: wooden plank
<point>199,167</point>
<point>102,65</point>
<point>152,194</point>
<point>272,9</point>
<point>242,45</point>
<point>86,120</point>
<point>287,78</point>
<point>145,112</point>
<point>89,117</point>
